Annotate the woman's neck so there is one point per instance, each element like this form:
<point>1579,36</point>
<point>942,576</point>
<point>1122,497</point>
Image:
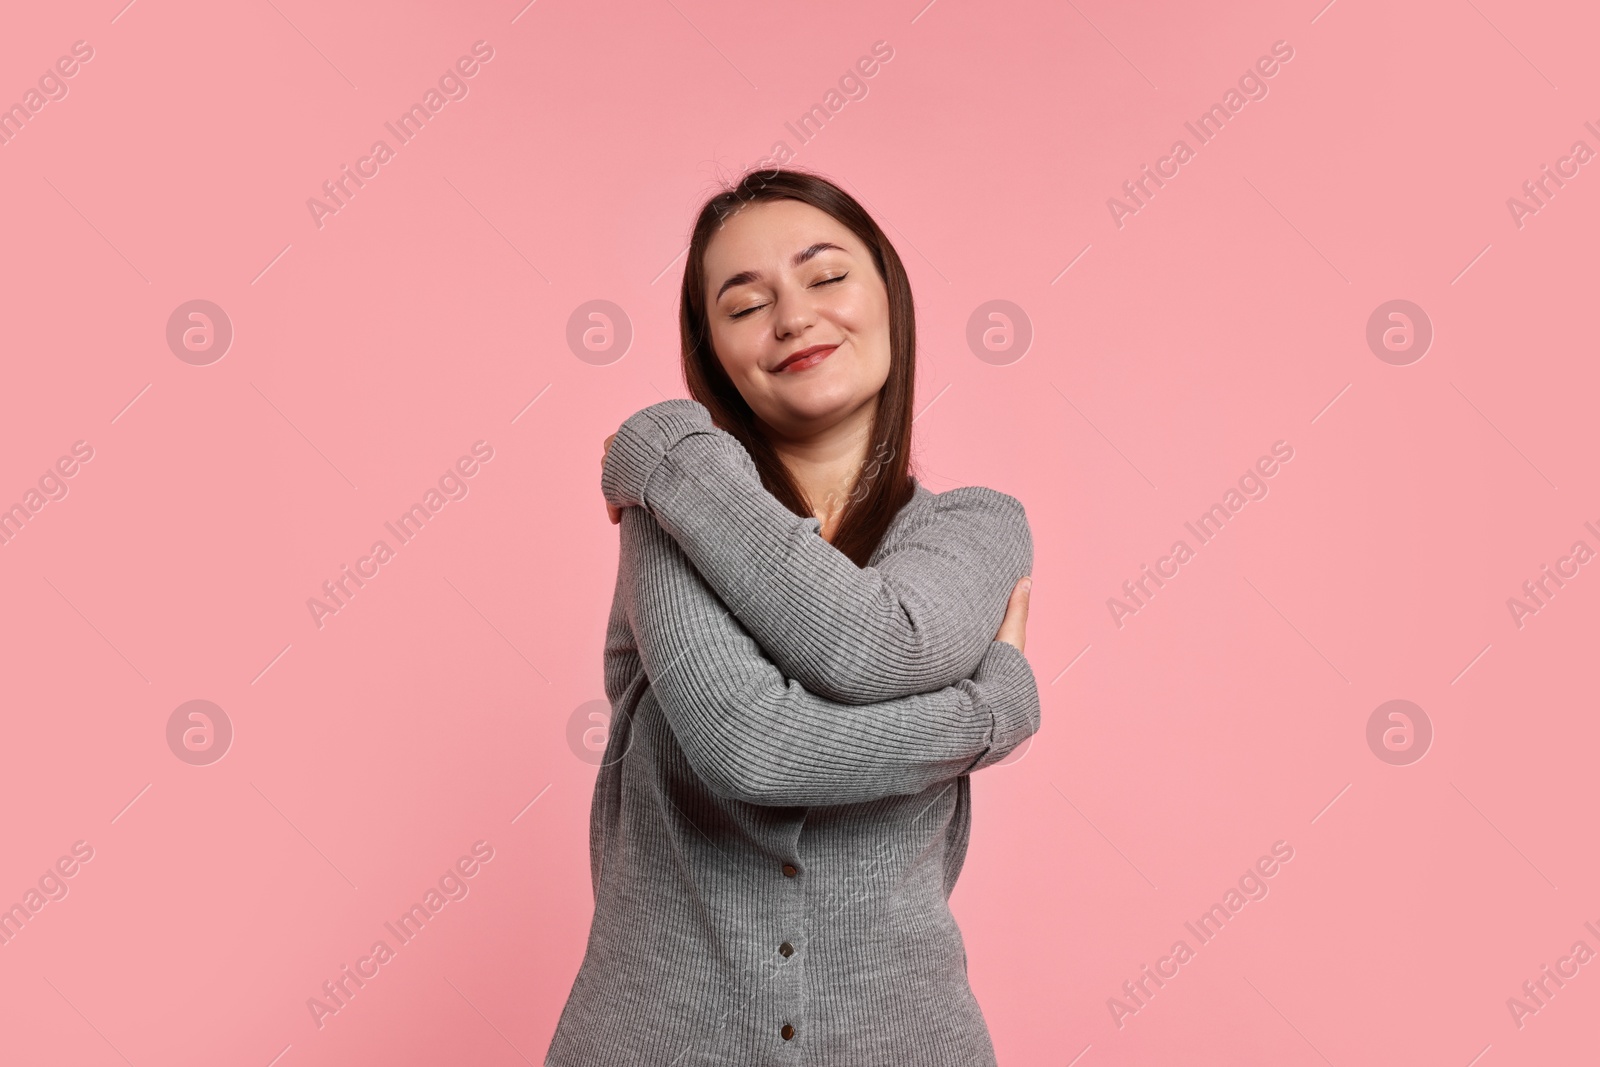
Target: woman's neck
<point>825,464</point>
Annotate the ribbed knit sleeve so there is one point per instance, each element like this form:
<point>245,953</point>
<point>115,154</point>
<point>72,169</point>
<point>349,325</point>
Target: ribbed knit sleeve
<point>753,735</point>
<point>918,620</point>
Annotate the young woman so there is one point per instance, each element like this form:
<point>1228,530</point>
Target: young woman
<point>808,655</point>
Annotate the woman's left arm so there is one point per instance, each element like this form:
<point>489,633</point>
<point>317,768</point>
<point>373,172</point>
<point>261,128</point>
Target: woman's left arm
<point>753,735</point>
<point>917,621</point>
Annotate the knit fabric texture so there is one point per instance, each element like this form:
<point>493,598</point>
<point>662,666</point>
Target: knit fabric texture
<point>783,805</point>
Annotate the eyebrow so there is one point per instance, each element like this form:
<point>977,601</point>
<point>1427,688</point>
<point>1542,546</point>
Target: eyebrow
<point>745,277</point>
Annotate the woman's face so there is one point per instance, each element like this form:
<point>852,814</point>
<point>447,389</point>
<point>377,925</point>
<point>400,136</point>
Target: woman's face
<point>783,278</point>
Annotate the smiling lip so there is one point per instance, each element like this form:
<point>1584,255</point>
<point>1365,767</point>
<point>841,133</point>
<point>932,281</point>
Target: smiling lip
<point>806,357</point>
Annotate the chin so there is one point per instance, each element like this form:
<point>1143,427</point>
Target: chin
<point>823,405</point>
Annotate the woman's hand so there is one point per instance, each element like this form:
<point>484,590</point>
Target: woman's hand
<point>1014,625</point>
<point>613,513</point>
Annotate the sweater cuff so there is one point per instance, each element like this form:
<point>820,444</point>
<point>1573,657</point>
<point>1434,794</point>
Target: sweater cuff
<point>1005,678</point>
<point>642,442</point>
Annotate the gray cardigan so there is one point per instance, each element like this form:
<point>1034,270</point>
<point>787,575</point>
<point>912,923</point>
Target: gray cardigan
<point>783,805</point>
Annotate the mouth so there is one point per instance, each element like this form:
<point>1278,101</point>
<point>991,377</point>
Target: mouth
<point>805,358</point>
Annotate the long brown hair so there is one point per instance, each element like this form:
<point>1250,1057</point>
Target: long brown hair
<point>884,484</point>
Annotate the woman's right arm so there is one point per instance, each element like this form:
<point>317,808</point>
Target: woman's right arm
<point>918,620</point>
<point>753,735</point>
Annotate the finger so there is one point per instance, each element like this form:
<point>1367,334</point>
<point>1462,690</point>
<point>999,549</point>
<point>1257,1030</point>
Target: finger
<point>1013,629</point>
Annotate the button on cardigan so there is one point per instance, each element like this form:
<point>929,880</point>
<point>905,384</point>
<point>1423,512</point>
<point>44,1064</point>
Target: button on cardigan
<point>783,805</point>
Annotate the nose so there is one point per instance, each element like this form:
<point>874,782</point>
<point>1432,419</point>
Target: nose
<point>793,311</point>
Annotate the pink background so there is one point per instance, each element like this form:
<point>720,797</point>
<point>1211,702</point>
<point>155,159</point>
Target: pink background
<point>1230,312</point>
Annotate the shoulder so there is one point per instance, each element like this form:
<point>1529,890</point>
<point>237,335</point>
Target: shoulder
<point>971,512</point>
<point>981,503</point>
<point>983,511</point>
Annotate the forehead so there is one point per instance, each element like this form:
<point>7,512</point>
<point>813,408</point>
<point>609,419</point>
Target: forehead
<point>763,235</point>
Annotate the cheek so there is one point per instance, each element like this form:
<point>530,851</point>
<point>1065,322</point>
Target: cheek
<point>866,310</point>
<point>867,316</point>
<point>735,351</point>
<point>852,313</point>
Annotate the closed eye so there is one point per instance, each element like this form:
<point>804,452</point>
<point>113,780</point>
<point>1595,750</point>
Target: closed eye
<point>825,281</point>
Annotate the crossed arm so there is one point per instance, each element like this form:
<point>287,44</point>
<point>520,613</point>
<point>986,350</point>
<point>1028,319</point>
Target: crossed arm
<point>921,619</point>
<point>754,735</point>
